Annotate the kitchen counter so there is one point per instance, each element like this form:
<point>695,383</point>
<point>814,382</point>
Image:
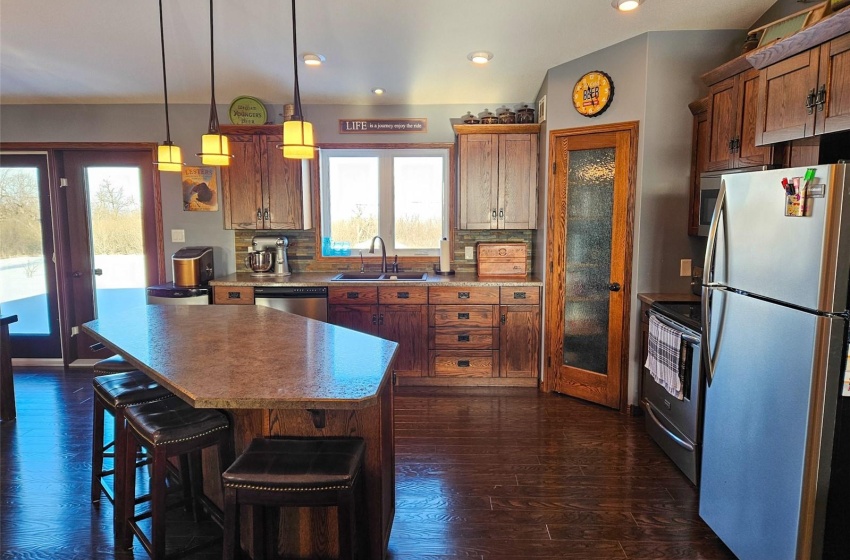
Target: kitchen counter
<point>246,279</point>
<point>684,298</point>
<point>276,374</point>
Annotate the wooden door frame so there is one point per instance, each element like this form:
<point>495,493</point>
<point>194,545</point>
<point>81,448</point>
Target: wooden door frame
<point>152,219</point>
<point>630,127</point>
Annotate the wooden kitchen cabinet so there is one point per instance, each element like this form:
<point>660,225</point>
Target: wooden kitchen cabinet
<point>805,95</point>
<point>260,189</point>
<point>519,332</point>
<point>732,110</point>
<point>397,313</point>
<point>699,160</point>
<point>497,167</point>
<point>233,295</point>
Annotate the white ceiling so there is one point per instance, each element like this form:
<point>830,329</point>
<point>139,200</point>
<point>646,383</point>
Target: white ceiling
<point>108,51</point>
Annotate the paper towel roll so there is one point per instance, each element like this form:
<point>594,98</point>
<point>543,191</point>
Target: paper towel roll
<point>445,255</point>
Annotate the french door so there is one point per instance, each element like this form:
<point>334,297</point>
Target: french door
<point>112,235</point>
<point>589,234</point>
<point>28,285</point>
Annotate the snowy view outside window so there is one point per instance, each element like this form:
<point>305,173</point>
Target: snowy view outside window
<point>116,228</point>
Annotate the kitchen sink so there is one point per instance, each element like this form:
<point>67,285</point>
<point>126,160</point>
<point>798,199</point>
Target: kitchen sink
<point>381,277</point>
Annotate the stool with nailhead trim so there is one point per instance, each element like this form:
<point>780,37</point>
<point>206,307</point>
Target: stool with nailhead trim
<point>169,428</point>
<point>294,472</point>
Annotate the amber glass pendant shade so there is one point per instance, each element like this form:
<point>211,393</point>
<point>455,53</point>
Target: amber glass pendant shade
<point>215,149</point>
<point>298,140</point>
<point>169,158</point>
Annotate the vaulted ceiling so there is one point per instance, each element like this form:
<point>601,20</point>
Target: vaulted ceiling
<point>96,51</point>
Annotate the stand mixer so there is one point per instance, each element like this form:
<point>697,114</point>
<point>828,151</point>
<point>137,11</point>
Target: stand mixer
<point>260,258</point>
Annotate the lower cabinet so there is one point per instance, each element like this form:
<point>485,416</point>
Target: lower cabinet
<point>233,295</point>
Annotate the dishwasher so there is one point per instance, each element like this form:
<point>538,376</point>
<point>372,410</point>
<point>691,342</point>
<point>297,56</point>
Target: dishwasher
<point>307,301</point>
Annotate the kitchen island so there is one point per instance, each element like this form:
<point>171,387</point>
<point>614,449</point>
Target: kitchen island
<point>275,374</point>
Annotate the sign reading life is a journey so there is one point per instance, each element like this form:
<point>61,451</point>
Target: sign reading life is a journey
<point>373,126</point>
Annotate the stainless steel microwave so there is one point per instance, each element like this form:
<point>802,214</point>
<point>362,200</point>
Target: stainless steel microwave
<point>709,189</point>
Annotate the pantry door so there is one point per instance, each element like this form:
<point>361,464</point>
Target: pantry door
<point>589,232</point>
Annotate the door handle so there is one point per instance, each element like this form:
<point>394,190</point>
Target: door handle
<point>810,102</point>
<point>708,280</point>
<point>820,100</point>
<point>374,319</point>
<point>682,443</point>
<point>614,287</point>
<point>259,214</point>
<point>77,274</point>
<point>98,272</point>
<point>494,214</point>
<point>501,212</point>
<point>266,214</point>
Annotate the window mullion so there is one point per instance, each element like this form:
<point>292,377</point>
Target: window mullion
<point>386,221</point>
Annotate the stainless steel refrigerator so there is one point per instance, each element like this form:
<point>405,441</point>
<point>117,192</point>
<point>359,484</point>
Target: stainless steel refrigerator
<point>774,473</point>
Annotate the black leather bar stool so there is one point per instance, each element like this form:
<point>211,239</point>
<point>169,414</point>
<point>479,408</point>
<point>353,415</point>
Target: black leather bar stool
<point>112,364</point>
<point>113,393</point>
<point>294,472</point>
<point>169,428</point>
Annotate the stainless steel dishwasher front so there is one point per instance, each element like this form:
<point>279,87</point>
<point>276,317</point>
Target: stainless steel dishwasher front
<point>307,301</point>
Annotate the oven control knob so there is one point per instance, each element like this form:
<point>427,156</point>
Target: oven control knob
<point>614,287</point>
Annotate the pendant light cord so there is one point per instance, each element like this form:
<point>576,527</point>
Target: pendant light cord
<point>297,111</point>
<point>164,77</point>
<point>214,125</point>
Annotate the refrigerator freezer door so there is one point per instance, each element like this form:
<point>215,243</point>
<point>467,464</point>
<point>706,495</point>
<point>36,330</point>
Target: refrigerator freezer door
<point>755,426</point>
<point>760,250</point>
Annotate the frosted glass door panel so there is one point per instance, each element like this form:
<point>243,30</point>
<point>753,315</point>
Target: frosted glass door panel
<point>590,203</point>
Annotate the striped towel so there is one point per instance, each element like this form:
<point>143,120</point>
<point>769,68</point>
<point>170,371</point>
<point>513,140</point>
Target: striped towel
<point>665,357</point>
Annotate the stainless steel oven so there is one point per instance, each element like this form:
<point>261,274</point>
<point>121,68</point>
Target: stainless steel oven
<point>676,425</point>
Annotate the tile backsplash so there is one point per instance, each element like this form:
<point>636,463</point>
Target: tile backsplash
<point>302,248</point>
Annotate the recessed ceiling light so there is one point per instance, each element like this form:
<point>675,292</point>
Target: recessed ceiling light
<point>378,91</point>
<point>480,57</point>
<point>626,5</point>
<point>313,59</point>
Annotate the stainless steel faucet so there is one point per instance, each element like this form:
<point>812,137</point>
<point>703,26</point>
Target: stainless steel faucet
<point>383,252</point>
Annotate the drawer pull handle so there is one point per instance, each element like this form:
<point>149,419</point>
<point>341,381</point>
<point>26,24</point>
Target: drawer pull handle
<point>519,295</point>
<point>403,295</point>
<point>463,315</point>
<point>234,295</point>
<point>463,295</point>
<point>463,338</point>
<point>463,363</point>
<point>352,295</point>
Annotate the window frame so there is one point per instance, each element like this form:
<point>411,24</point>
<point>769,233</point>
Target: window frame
<point>407,261</point>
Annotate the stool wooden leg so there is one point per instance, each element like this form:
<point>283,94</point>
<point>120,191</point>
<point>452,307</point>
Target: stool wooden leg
<point>231,524</point>
<point>120,473</point>
<point>97,450</point>
<point>258,533</point>
<point>158,489</point>
<point>125,509</point>
<point>345,521</point>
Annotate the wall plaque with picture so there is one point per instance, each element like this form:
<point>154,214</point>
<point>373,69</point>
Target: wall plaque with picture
<point>200,192</point>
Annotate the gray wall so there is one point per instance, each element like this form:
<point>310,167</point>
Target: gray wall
<point>655,76</point>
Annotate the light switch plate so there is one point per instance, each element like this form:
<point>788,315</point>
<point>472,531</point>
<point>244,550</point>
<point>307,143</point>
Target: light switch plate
<point>685,267</point>
<point>178,236</point>
<point>467,253</point>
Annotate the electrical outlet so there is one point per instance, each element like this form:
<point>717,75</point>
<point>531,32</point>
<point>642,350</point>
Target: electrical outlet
<point>468,255</point>
<point>685,267</point>
<point>178,236</point>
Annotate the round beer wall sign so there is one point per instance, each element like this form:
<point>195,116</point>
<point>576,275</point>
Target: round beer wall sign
<point>593,93</point>
<point>247,110</point>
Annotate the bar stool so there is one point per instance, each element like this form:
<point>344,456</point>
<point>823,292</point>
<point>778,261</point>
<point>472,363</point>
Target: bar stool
<point>112,364</point>
<point>294,472</point>
<point>168,428</point>
<point>113,393</point>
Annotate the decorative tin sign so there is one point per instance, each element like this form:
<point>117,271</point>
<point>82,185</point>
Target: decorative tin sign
<point>247,110</point>
<point>379,126</point>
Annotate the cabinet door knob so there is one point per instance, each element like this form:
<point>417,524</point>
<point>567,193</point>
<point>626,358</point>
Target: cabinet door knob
<point>266,214</point>
<point>504,318</point>
<point>259,213</point>
<point>810,102</point>
<point>494,214</point>
<point>501,212</point>
<point>820,101</point>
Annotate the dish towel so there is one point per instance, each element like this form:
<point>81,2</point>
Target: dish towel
<point>665,357</point>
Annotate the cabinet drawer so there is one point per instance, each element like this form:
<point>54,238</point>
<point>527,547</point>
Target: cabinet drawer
<point>448,295</point>
<point>353,294</point>
<point>406,295</point>
<point>233,295</point>
<point>468,363</point>
<point>521,295</point>
<point>462,316</point>
<point>475,339</point>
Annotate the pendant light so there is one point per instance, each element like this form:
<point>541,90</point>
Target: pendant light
<point>214,146</point>
<point>297,133</point>
<point>169,156</point>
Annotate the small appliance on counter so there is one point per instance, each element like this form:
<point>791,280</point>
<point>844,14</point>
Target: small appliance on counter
<point>260,258</point>
<point>192,266</point>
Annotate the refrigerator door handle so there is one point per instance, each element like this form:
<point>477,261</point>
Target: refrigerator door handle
<point>708,280</point>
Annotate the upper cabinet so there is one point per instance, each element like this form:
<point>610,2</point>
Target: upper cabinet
<point>699,159</point>
<point>497,166</point>
<point>261,189</point>
<point>733,105</point>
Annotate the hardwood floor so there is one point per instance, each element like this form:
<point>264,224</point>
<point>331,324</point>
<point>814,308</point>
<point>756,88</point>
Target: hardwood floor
<point>481,474</point>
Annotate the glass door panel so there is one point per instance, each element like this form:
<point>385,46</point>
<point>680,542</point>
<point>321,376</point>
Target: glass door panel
<point>27,271</point>
<point>590,204</point>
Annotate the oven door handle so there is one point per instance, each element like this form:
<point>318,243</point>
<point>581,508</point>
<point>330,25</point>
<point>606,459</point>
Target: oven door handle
<point>681,329</point>
<point>647,406</point>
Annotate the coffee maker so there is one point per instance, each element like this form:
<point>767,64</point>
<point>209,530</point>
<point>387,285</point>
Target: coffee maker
<point>261,260</point>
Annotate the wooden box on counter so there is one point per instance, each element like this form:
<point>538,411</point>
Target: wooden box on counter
<point>502,259</point>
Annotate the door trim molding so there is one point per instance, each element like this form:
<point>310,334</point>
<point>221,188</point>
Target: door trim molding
<point>555,136</point>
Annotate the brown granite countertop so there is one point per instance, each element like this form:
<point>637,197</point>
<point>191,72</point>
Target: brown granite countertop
<point>324,279</point>
<point>652,298</point>
<point>249,357</point>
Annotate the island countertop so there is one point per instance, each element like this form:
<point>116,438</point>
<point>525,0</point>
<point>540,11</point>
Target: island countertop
<point>249,357</point>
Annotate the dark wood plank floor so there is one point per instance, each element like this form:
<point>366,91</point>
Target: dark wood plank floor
<point>480,474</point>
